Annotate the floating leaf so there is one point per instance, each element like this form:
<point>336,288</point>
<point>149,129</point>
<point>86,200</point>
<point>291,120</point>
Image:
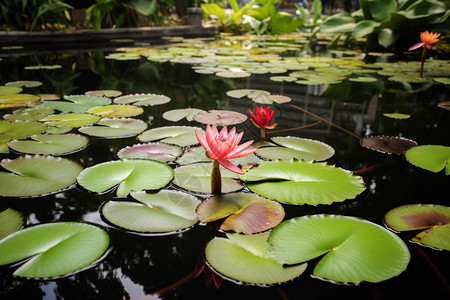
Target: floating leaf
<point>434,218</point>
<point>444,80</point>
<point>233,74</point>
<point>247,258</point>
<point>29,114</point>
<point>301,182</point>
<point>239,93</point>
<point>433,158</point>
<point>177,135</point>
<point>50,144</point>
<point>104,93</point>
<point>397,116</point>
<point>142,99</point>
<point>197,154</point>
<point>36,175</point>
<point>155,151</point>
<point>24,83</point>
<point>17,100</point>
<point>220,117</point>
<point>128,175</point>
<point>19,130</point>
<point>245,213</point>
<point>70,120</point>
<point>298,148</point>
<point>388,144</point>
<point>115,128</point>
<point>76,103</point>
<point>10,221</point>
<point>197,178</point>
<point>116,111</point>
<point>351,249</point>
<point>164,212</point>
<point>363,79</point>
<point>43,67</point>
<point>176,115</point>
<point>7,90</point>
<point>54,249</point>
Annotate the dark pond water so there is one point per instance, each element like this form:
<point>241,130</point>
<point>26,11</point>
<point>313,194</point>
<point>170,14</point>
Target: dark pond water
<point>138,266</point>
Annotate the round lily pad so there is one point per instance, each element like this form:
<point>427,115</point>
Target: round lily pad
<point>248,259</point>
<point>233,74</point>
<point>116,111</point>
<point>10,130</point>
<point>220,117</point>
<point>177,135</point>
<point>54,249</point>
<point>388,144</point>
<point>127,174</point>
<point>351,249</point>
<point>302,182</point>
<point>115,128</point>
<point>142,99</point>
<point>298,148</point>
<point>178,114</point>
<point>104,93</point>
<point>76,103</point>
<point>50,144</point>
<point>239,93</point>
<point>167,211</point>
<point>157,151</point>
<point>10,221</point>
<point>25,83</point>
<point>36,175</point>
<point>433,158</point>
<point>434,218</point>
<point>29,114</point>
<point>6,90</point>
<point>70,120</point>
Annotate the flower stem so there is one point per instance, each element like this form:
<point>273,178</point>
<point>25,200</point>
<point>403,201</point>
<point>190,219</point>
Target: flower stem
<point>216,179</point>
<point>424,52</point>
<point>263,133</point>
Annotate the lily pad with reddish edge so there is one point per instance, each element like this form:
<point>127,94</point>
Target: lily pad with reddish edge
<point>433,158</point>
<point>177,135</point>
<point>10,130</point>
<point>166,211</point>
<point>115,128</point>
<point>142,99</point>
<point>388,144</point>
<point>248,259</point>
<point>76,103</point>
<point>104,93</point>
<point>220,117</point>
<point>50,144</point>
<point>197,178</point>
<point>37,175</point>
<point>156,151</point>
<point>434,218</point>
<point>116,111</point>
<point>244,212</point>
<point>10,221</point>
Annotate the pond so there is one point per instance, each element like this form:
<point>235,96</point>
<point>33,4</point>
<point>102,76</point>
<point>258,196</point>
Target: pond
<point>331,99</point>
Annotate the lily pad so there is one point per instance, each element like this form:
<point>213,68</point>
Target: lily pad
<point>70,120</point>
<point>128,175</point>
<point>76,103</point>
<point>244,212</point>
<point>29,114</point>
<point>434,218</point>
<point>399,116</point>
<point>50,144</point>
<point>104,93</point>
<point>116,111</point>
<point>156,151</point>
<point>10,221</point>
<point>142,99</point>
<point>388,144</point>
<point>7,90</point>
<point>24,83</point>
<point>36,175</point>
<point>54,249</point>
<point>248,259</point>
<point>298,148</point>
<point>167,211</point>
<point>115,128</point>
<point>239,93</point>
<point>301,182</point>
<point>197,178</point>
<point>433,158</point>
<point>176,115</point>
<point>197,154</point>
<point>18,100</point>
<point>351,249</point>
<point>220,117</point>
<point>18,130</point>
<point>177,135</point>
<point>233,74</point>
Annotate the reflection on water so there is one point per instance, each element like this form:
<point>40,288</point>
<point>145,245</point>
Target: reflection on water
<point>138,266</point>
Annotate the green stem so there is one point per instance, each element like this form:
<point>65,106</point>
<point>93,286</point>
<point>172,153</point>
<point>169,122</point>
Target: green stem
<point>424,52</point>
<point>216,179</point>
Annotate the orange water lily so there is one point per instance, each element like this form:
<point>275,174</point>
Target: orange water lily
<point>221,147</point>
<point>427,40</point>
<point>261,118</point>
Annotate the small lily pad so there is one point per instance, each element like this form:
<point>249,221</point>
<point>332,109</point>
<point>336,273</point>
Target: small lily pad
<point>50,144</point>
<point>7,90</point>
<point>54,249</point>
<point>10,221</point>
<point>24,83</point>
<point>142,99</point>
<point>156,151</point>
<point>116,111</point>
<point>220,117</point>
<point>167,211</point>
<point>399,116</point>
<point>104,93</point>
<point>388,144</point>
<point>433,158</point>
<point>177,135</point>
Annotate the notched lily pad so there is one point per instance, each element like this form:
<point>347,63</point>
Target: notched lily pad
<point>433,158</point>
<point>50,144</point>
<point>220,117</point>
<point>70,120</point>
<point>177,135</point>
<point>115,128</point>
<point>116,111</point>
<point>76,103</point>
<point>156,151</point>
<point>176,115</point>
<point>10,130</point>
<point>142,99</point>
<point>388,144</point>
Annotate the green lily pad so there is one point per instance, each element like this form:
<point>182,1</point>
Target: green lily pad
<point>24,83</point>
<point>197,178</point>
<point>434,218</point>
<point>176,115</point>
<point>156,151</point>
<point>70,120</point>
<point>7,90</point>
<point>248,259</point>
<point>29,114</point>
<point>397,116</point>
<point>128,175</point>
<point>239,93</point>
<point>433,158</point>
<point>167,211</point>
<point>76,103</point>
<point>55,249</point>
<point>298,148</point>
<point>220,117</point>
<point>116,111</point>
<point>388,144</point>
<point>351,249</point>
<point>177,135</point>
<point>18,130</point>
<point>115,128</point>
<point>10,221</point>
<point>444,80</point>
<point>244,212</point>
<point>233,74</point>
<point>36,175</point>
<point>18,100</point>
<point>142,99</point>
<point>50,144</point>
<point>301,182</point>
<point>104,93</point>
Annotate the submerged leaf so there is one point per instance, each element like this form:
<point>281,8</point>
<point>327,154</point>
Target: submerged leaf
<point>388,144</point>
